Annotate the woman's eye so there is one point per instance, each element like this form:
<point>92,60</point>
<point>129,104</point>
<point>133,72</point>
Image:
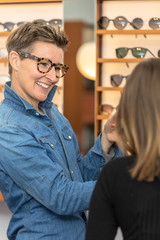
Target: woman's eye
<point>44,64</point>
<point>57,68</point>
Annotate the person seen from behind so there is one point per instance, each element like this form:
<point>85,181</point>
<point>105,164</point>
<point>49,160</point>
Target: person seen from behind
<point>127,193</point>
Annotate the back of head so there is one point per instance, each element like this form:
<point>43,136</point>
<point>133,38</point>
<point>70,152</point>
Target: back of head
<point>138,119</point>
<point>22,38</point>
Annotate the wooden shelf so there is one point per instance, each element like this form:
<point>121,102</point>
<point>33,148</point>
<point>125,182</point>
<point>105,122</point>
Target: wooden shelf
<point>3,60</point>
<point>129,31</point>
<point>5,33</point>
<point>1,197</point>
<point>101,117</point>
<point>120,60</point>
<point>101,88</point>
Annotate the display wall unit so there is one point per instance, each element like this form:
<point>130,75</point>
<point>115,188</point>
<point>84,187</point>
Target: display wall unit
<point>107,40</point>
<point>28,11</point>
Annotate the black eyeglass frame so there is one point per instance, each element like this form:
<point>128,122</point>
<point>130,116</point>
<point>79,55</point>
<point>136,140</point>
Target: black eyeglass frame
<point>30,56</point>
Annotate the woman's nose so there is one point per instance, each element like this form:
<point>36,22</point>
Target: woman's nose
<point>51,75</point>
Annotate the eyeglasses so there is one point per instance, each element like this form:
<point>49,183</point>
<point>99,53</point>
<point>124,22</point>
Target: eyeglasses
<point>54,22</point>
<point>116,79</point>
<point>137,52</point>
<point>154,23</point>
<point>106,109</point>
<point>8,26</point>
<point>44,65</point>
<point>120,22</point>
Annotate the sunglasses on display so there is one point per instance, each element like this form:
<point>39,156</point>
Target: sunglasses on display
<point>44,65</point>
<point>54,22</point>
<point>120,22</point>
<point>8,26</point>
<point>106,109</point>
<point>137,52</point>
<point>116,79</point>
<point>154,23</point>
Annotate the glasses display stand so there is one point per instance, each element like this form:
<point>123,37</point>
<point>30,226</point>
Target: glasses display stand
<point>109,39</point>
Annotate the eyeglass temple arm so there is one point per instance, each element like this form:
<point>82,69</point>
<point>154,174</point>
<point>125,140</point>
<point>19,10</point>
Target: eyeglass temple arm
<point>151,53</point>
<point>133,25</point>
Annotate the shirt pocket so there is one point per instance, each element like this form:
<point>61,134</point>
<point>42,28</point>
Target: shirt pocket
<point>48,141</point>
<point>67,133</point>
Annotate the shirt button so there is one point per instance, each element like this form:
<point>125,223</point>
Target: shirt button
<point>37,113</point>
<point>51,145</point>
<point>71,171</point>
<point>69,137</point>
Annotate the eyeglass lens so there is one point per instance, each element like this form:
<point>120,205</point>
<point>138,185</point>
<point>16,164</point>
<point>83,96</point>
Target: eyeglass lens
<point>116,79</point>
<point>45,66</point>
<point>120,22</point>
<point>154,23</point>
<point>8,26</point>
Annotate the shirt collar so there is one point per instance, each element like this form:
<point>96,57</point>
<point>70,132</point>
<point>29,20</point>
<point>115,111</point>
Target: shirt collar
<point>9,93</point>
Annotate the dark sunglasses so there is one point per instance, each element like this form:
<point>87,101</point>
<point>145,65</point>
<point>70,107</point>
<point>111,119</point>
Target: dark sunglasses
<point>54,22</point>
<point>106,109</point>
<point>154,23</point>
<point>137,52</point>
<point>116,79</point>
<point>120,22</point>
<point>8,26</point>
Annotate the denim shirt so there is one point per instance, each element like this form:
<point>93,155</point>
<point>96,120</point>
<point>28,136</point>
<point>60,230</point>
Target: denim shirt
<point>44,180</point>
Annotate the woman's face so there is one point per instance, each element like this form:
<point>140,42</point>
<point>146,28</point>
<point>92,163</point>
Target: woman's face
<point>28,82</point>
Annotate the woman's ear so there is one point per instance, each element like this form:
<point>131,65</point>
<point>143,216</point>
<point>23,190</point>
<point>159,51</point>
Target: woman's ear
<point>14,60</point>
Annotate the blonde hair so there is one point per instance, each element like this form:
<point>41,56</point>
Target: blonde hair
<point>138,119</point>
<point>22,38</point>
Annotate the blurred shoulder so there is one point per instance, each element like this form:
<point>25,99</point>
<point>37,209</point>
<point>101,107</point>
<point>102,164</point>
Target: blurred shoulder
<point>118,165</point>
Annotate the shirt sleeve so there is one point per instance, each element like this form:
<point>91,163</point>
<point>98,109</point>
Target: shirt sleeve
<point>102,223</point>
<point>26,162</point>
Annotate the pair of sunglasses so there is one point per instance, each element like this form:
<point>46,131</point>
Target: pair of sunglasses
<point>116,79</point>
<point>106,109</point>
<point>54,22</point>
<point>8,26</point>
<point>120,22</point>
<point>137,52</point>
<point>154,23</point>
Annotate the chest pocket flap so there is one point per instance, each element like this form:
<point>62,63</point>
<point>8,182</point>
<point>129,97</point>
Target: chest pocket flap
<point>49,140</point>
<point>67,133</point>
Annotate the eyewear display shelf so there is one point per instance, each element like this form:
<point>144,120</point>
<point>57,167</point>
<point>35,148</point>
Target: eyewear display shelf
<point>100,89</point>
